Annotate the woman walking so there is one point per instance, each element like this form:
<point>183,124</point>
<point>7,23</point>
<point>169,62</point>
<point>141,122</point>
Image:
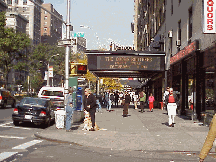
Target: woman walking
<point>171,102</point>
<point>151,102</point>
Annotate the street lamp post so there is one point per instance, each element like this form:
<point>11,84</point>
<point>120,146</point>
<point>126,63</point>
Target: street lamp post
<point>48,68</point>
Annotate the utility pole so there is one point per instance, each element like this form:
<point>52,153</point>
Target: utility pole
<point>67,50</point>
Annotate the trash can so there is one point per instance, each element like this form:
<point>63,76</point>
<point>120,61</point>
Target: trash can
<point>161,105</point>
<point>60,118</point>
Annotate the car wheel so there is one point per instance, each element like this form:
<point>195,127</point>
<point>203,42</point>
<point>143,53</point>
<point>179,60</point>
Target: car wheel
<point>46,124</point>
<point>16,123</point>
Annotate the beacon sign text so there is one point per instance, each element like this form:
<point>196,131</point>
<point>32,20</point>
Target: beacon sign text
<point>209,16</point>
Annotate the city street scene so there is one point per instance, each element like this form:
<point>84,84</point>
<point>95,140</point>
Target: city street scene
<point>107,80</point>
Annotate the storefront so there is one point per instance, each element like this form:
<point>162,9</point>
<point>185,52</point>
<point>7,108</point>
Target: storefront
<point>184,75</point>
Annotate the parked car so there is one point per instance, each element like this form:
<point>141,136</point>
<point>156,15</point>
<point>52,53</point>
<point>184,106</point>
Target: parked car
<point>6,98</point>
<point>56,94</point>
<point>39,111</point>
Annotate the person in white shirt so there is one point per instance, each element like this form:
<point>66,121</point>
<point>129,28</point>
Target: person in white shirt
<point>135,97</point>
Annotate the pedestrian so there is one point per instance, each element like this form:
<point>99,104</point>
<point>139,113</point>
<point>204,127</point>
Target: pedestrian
<point>151,102</point>
<point>135,98</point>
<point>90,105</point>
<point>69,109</point>
<point>164,97</point>
<point>121,96</point>
<point>116,98</point>
<point>112,98</point>
<point>210,138</point>
<point>172,103</point>
<point>142,99</point>
<point>108,101</point>
<point>99,108</point>
<point>126,104</point>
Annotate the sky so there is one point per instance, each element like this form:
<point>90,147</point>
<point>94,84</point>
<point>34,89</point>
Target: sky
<point>104,21</point>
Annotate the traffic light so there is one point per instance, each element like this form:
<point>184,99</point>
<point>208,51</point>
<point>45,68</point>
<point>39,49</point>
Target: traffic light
<point>73,69</point>
<point>81,69</point>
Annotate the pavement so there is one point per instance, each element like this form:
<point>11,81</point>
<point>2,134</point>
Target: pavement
<point>139,131</point>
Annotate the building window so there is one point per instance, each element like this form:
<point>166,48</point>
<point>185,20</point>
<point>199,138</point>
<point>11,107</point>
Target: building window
<point>45,28</point>
<point>179,30</point>
<point>190,24</point>
<point>45,23</point>
<point>24,2</point>
<point>9,2</point>
<point>45,17</point>
<point>171,7</point>
<point>45,12</point>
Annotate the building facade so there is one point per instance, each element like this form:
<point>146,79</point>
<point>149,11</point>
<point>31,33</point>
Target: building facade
<point>32,13</point>
<point>3,6</point>
<point>51,27</point>
<point>190,52</point>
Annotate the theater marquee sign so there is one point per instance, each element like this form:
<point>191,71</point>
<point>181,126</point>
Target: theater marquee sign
<point>123,62</point>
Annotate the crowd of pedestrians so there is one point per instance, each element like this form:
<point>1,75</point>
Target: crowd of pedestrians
<point>91,103</point>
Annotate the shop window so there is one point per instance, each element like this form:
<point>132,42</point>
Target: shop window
<point>16,1</point>
<point>209,89</point>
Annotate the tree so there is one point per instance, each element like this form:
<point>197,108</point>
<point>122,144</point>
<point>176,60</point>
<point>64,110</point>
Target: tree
<point>12,47</point>
<point>39,58</point>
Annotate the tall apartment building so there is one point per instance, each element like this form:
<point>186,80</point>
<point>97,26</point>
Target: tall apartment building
<point>3,6</point>
<point>51,27</point>
<point>180,29</point>
<point>32,13</point>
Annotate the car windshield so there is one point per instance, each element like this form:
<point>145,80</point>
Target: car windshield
<point>33,101</point>
<point>52,93</point>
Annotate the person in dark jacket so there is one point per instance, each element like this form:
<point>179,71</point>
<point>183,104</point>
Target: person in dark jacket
<point>116,98</point>
<point>89,103</point>
<point>126,104</point>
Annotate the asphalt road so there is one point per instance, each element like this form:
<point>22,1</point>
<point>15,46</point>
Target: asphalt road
<point>20,144</point>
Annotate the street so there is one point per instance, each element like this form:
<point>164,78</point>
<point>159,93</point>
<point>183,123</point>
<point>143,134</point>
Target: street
<point>20,144</point>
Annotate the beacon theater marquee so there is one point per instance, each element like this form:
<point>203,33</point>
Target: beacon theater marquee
<point>126,62</point>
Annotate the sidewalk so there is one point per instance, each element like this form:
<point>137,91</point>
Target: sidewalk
<point>138,131</point>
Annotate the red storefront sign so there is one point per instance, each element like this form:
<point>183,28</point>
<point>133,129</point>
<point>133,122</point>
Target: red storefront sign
<point>209,16</point>
<point>183,53</point>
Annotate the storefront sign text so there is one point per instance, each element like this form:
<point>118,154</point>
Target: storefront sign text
<point>129,62</point>
<point>209,16</point>
<point>186,51</point>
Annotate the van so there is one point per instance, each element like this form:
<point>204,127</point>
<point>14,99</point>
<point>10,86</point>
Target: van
<point>56,94</point>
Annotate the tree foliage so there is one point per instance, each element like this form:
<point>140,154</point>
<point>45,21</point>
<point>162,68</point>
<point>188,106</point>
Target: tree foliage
<point>13,46</point>
<point>39,58</point>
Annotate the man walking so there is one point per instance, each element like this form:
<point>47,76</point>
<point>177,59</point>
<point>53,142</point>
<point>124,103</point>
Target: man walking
<point>142,98</point>
<point>116,98</point>
<point>69,109</point>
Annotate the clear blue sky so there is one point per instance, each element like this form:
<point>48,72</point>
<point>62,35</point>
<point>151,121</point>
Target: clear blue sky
<point>109,20</point>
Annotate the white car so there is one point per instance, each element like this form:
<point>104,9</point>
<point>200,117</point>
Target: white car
<point>56,94</point>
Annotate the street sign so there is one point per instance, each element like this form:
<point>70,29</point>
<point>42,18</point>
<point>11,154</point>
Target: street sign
<point>64,42</point>
<point>79,34</point>
<point>67,42</point>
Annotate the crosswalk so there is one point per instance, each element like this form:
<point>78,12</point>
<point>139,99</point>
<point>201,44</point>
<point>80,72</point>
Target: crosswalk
<point>6,155</point>
<point>14,151</point>
<point>10,125</point>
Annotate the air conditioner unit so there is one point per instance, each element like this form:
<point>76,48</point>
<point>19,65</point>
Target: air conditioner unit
<point>178,43</point>
<point>170,34</point>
